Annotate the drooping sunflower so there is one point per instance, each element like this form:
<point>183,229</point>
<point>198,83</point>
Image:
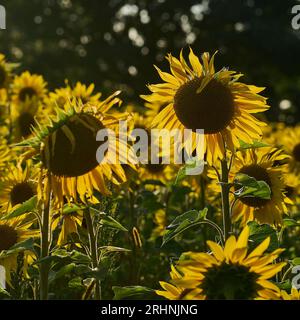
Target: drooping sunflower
<point>13,232</point>
<point>17,186</point>
<point>67,150</point>
<point>28,87</point>
<point>264,164</point>
<point>198,97</point>
<point>228,273</point>
<point>294,295</point>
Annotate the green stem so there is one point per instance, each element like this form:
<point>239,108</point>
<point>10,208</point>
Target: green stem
<point>225,187</point>
<point>202,192</point>
<point>44,267</point>
<point>202,206</point>
<point>93,249</point>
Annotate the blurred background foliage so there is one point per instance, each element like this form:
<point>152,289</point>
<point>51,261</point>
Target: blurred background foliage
<point>115,43</point>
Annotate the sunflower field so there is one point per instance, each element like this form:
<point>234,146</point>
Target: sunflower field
<point>73,227</point>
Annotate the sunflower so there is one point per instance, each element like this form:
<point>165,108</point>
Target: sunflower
<point>17,186</point>
<point>86,93</point>
<point>3,106</point>
<point>229,272</point>
<point>5,72</point>
<point>25,117</point>
<point>13,232</point>
<point>160,171</point>
<point>80,91</point>
<point>264,164</point>
<point>164,173</point>
<point>161,222</point>
<point>294,295</point>
<point>67,150</point>
<point>198,97</point>
<point>292,188</point>
<point>270,133</point>
<point>27,107</point>
<point>289,140</point>
<point>174,292</point>
<point>4,155</point>
<point>28,87</point>
<point>59,97</point>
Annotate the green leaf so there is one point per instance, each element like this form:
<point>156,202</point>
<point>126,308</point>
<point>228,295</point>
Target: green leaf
<point>182,223</point>
<point>64,256</point>
<point>67,209</point>
<point>109,221</point>
<point>254,145</point>
<point>250,187</point>
<point>62,272</point>
<point>286,285</point>
<point>23,208</point>
<point>76,283</point>
<point>79,257</point>
<point>290,223</point>
<point>133,293</point>
<point>259,232</point>
<point>296,261</point>
<point>87,272</point>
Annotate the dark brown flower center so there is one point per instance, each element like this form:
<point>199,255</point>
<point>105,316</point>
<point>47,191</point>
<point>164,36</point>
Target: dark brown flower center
<point>3,76</point>
<point>20,193</point>
<point>8,237</point>
<point>25,122</point>
<point>260,174</point>
<point>296,152</point>
<point>229,282</point>
<point>27,93</point>
<point>71,150</point>
<point>212,109</point>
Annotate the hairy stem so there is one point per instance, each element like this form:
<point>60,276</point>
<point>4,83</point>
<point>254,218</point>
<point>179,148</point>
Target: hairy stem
<point>93,249</point>
<point>44,267</point>
<point>225,188</point>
